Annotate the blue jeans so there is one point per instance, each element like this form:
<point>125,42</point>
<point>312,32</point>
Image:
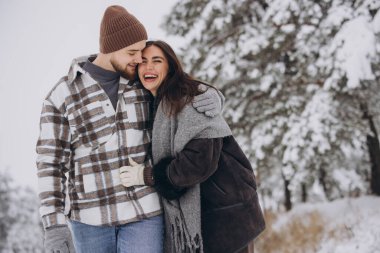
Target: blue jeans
<point>146,236</point>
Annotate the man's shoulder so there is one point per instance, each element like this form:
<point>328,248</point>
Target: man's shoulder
<point>62,87</point>
<point>76,67</point>
<point>59,93</point>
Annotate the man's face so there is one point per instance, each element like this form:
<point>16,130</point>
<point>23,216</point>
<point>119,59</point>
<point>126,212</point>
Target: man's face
<point>126,59</point>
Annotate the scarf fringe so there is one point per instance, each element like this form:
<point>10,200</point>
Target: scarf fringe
<point>182,241</point>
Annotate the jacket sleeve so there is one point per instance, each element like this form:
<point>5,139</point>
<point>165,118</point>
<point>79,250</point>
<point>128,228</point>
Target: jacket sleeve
<point>194,164</point>
<point>53,155</point>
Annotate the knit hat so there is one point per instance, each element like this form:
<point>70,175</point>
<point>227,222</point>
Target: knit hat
<point>119,29</point>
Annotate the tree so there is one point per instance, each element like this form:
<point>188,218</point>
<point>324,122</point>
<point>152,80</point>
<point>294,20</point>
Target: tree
<point>26,233</point>
<point>6,221</point>
<point>295,74</point>
<point>20,225</point>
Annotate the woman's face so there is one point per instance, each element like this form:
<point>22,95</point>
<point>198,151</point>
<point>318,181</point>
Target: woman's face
<point>153,69</point>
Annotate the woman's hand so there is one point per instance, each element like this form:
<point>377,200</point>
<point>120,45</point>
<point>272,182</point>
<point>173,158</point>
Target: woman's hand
<point>132,175</point>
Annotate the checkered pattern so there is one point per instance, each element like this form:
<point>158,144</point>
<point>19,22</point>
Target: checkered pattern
<point>82,144</point>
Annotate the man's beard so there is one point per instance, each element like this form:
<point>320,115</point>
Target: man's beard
<point>124,71</point>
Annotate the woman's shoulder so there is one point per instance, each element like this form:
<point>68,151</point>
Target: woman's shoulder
<point>191,117</point>
<point>189,111</point>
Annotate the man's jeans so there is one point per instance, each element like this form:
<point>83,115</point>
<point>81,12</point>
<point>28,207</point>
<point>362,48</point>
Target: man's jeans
<point>146,236</point>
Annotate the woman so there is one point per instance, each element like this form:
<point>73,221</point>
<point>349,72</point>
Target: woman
<point>206,181</point>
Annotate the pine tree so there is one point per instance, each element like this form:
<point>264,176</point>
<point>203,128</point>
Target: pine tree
<point>20,225</point>
<point>296,74</point>
<point>6,220</point>
<point>26,233</point>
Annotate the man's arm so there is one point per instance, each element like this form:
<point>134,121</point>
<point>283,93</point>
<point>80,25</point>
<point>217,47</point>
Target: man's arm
<point>53,149</point>
<point>171,176</point>
<point>210,103</point>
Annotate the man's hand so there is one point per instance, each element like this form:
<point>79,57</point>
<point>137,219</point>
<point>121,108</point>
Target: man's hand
<point>132,175</point>
<point>58,240</point>
<point>209,102</point>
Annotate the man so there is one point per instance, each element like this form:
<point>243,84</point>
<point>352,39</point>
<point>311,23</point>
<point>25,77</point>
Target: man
<point>92,122</point>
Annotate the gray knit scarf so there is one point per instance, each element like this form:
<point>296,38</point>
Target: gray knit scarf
<point>170,135</point>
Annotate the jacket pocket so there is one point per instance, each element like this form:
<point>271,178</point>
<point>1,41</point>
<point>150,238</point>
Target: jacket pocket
<point>90,124</point>
<point>240,168</point>
<point>218,188</point>
<point>136,119</point>
<point>217,194</point>
<point>138,111</point>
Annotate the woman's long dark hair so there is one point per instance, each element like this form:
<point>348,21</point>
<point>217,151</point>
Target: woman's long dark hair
<point>178,88</point>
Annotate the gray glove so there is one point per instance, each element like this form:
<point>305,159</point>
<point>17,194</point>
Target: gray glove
<point>58,240</point>
<point>209,102</point>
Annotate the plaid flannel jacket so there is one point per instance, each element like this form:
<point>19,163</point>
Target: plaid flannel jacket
<point>82,144</point>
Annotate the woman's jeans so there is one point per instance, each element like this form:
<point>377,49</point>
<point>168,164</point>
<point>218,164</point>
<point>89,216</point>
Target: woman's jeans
<point>146,236</point>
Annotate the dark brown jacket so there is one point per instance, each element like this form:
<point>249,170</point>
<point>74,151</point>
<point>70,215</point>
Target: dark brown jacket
<point>231,215</point>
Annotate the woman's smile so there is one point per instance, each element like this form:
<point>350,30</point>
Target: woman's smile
<point>153,69</point>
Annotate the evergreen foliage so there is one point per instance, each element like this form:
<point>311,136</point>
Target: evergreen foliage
<point>20,225</point>
<point>298,76</point>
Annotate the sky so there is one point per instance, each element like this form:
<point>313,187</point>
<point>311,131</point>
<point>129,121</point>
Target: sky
<point>39,38</point>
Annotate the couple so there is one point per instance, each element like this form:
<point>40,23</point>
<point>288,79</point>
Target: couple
<point>198,194</point>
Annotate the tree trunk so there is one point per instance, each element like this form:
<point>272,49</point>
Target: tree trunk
<point>304,193</point>
<point>288,195</point>
<point>374,153</point>
<point>322,181</point>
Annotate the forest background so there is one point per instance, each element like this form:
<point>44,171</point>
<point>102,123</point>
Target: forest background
<point>301,80</point>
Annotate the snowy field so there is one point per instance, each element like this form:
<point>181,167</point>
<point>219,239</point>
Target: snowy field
<point>342,226</point>
<point>350,225</point>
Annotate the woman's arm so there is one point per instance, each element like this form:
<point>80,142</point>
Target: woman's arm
<point>194,164</point>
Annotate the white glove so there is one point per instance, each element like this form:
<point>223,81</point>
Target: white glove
<point>133,174</point>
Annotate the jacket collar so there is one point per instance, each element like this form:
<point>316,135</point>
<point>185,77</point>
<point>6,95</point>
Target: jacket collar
<point>76,69</point>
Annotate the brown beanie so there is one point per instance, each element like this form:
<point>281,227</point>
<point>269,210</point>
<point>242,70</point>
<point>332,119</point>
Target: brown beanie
<point>119,29</point>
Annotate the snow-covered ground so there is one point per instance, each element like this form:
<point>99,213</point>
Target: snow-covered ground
<point>350,225</point>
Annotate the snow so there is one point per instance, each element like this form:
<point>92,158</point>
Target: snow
<point>349,181</point>
<point>376,23</point>
<point>338,14</point>
<point>350,225</point>
<point>286,7</point>
<point>266,82</point>
<point>288,28</point>
<point>354,51</point>
<point>360,219</point>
